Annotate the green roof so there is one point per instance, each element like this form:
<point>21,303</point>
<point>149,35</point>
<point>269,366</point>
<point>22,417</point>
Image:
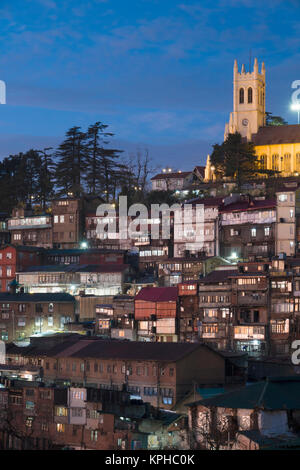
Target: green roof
<point>276,393</point>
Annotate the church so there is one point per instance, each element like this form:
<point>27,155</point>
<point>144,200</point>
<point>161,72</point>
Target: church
<point>277,147</point>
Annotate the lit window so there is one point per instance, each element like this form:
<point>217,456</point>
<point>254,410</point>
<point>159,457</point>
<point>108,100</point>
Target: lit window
<point>60,427</point>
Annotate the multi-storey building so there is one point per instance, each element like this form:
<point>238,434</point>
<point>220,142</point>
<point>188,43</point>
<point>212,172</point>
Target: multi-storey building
<point>250,303</point>
<point>287,218</point>
<point>159,373</point>
<point>68,223</point>
<point>30,229</point>
<point>248,228</point>
<point>189,315</point>
<point>156,313</point>
<point>215,308</point>
<point>16,258</point>
<point>207,241</point>
<point>99,279</point>
<point>5,235</point>
<point>24,315</point>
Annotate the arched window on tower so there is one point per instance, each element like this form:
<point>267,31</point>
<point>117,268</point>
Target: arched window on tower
<point>241,95</point>
<point>250,95</point>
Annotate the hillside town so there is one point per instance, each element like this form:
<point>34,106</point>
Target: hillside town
<point>149,228</point>
<point>144,343</point>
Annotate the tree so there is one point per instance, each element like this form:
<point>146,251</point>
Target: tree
<point>275,120</point>
<point>235,158</point>
<point>71,163</point>
<point>45,177</point>
<point>103,170</point>
<point>209,430</point>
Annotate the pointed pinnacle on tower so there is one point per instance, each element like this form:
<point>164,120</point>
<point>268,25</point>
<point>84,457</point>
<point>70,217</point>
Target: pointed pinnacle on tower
<point>263,69</point>
<point>255,68</point>
<point>235,67</point>
<point>243,69</point>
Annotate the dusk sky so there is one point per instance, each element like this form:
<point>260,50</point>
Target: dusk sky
<point>158,72</point>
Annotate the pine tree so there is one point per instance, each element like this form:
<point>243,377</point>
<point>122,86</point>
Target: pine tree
<point>102,165</point>
<point>72,160</point>
<point>45,177</point>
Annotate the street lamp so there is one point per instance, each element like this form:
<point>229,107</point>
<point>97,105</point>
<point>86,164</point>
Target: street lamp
<point>296,107</point>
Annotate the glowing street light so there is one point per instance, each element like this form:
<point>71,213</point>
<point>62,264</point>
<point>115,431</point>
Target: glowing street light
<point>83,245</point>
<point>296,107</point>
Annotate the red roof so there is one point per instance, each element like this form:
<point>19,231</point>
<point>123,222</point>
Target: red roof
<point>158,294</point>
<point>249,206</point>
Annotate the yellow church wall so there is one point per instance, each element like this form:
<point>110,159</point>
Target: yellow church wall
<point>284,165</point>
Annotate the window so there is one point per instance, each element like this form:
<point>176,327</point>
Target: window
<point>77,395</point>
<point>8,271</point>
<point>50,320</point>
<point>62,219</point>
<point>250,95</point>
<point>21,321</point>
<point>29,405</point>
<point>287,162</point>
<point>60,427</point>
<point>44,427</point>
<point>29,421</point>
<point>9,255</point>
<point>267,231</point>
<point>263,162</point>
<point>51,308</point>
<point>275,163</point>
<point>253,232</point>
<point>94,435</point>
<point>61,411</point>
<point>77,412</point>
<point>282,197</point>
<point>241,95</point>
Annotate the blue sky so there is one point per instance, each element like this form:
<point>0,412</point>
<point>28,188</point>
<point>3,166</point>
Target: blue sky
<point>159,72</point>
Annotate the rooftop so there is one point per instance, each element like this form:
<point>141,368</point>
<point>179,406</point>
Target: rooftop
<point>78,268</point>
<point>276,393</point>
<point>271,135</point>
<point>175,175</point>
<point>6,297</point>
<point>158,294</point>
<point>94,347</point>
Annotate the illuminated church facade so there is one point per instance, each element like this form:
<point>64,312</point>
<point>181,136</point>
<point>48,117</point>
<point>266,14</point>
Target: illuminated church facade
<point>277,147</point>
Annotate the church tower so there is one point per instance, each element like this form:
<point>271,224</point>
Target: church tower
<point>248,101</point>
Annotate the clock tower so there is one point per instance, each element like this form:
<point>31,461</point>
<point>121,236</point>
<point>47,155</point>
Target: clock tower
<point>248,101</point>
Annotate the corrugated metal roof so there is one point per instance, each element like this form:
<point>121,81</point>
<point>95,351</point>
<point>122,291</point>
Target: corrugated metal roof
<point>249,205</point>
<point>78,268</point>
<point>218,276</point>
<point>276,393</point>
<point>158,294</point>
<point>38,297</point>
